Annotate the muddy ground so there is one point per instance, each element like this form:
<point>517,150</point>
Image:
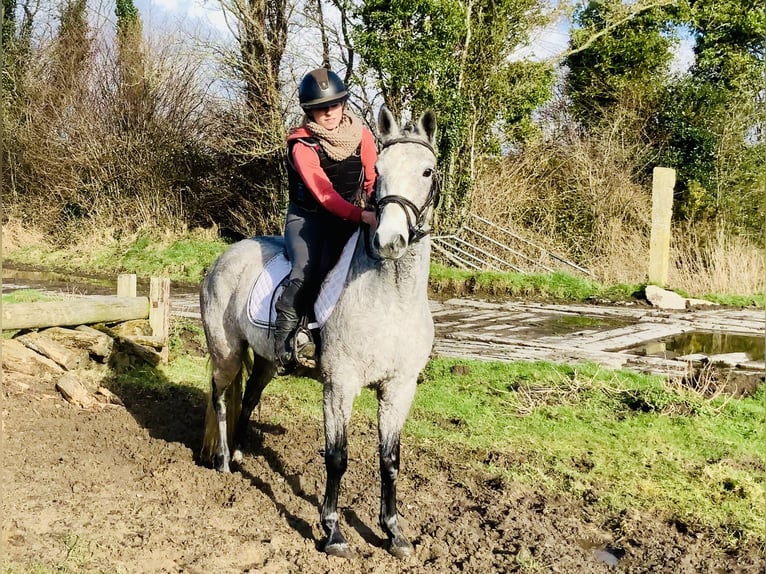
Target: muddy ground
<point>118,489</point>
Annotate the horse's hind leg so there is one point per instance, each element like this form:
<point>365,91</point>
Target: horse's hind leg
<point>221,454</point>
<point>394,400</point>
<point>263,371</point>
<point>337,412</point>
<point>224,405</point>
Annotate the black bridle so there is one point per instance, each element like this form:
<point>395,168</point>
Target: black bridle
<point>417,217</point>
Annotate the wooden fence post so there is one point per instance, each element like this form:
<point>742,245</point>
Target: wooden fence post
<point>159,312</point>
<point>126,285</point>
<point>663,181</point>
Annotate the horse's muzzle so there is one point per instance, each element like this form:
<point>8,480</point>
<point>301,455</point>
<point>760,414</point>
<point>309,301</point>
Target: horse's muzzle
<point>392,247</point>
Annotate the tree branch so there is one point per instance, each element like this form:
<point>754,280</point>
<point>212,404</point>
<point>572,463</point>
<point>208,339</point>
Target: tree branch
<point>606,30</point>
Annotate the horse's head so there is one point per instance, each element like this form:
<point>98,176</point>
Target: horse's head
<point>407,183</point>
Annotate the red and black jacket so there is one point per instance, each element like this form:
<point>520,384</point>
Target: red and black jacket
<point>317,182</point>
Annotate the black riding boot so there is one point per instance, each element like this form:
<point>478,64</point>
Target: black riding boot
<point>284,327</point>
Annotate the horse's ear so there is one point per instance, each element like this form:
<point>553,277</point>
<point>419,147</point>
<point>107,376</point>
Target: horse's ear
<point>387,123</point>
<point>427,125</point>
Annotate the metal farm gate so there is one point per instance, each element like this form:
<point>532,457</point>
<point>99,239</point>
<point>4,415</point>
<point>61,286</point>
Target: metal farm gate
<point>472,248</point>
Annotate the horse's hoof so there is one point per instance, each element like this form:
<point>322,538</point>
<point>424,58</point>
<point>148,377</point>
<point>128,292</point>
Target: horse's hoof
<point>221,465</point>
<point>237,457</point>
<point>401,549</point>
<point>339,549</point>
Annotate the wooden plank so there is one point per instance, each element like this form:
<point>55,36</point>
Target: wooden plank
<point>664,179</point>
<point>126,285</point>
<point>80,311</point>
<point>144,353</point>
<point>159,312</point>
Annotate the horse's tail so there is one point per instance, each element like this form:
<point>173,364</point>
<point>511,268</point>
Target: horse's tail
<point>233,400</point>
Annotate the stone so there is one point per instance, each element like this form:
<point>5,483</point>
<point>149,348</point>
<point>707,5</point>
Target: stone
<point>73,391</point>
<point>17,358</point>
<point>664,299</point>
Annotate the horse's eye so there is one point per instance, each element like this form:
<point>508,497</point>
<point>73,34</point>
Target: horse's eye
<point>428,173</point>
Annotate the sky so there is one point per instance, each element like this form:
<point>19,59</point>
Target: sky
<point>182,14</point>
<point>201,15</point>
<point>159,14</point>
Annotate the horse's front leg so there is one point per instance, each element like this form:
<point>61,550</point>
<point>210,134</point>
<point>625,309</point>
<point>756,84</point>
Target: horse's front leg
<point>337,412</point>
<point>394,400</point>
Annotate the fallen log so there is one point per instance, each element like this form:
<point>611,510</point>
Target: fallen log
<point>93,309</point>
<point>136,349</point>
<point>130,312</point>
<point>158,343</point>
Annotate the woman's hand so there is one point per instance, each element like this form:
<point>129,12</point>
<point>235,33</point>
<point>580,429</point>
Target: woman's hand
<point>370,219</point>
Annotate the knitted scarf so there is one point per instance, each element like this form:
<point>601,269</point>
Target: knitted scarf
<point>341,142</point>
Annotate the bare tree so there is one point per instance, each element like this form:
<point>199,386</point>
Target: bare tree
<point>261,32</point>
<point>250,135</point>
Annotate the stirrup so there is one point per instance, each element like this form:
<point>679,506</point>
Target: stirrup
<point>304,349</point>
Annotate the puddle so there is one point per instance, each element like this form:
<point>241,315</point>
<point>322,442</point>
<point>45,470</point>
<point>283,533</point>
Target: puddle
<point>701,342</point>
<point>51,281</point>
<point>609,555</point>
<point>16,279</point>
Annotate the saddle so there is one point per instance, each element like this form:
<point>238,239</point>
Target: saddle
<point>268,285</point>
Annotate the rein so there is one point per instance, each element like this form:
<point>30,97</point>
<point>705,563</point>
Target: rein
<point>412,211</point>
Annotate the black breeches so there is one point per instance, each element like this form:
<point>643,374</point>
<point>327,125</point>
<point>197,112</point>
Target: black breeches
<point>314,242</point>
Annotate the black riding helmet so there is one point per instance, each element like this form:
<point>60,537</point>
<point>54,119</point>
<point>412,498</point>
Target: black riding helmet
<point>321,88</point>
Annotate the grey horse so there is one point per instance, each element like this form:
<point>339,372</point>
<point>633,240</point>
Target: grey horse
<point>380,333</point>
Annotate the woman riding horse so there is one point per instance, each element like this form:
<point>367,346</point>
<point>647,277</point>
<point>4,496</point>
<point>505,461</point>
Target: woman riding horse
<point>386,284</point>
<point>331,171</point>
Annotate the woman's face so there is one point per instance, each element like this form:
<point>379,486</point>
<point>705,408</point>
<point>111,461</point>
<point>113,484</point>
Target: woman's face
<point>328,118</point>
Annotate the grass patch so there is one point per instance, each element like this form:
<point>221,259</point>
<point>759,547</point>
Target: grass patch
<point>304,395</point>
<point>182,258</point>
<point>186,337</point>
<point>25,296</point>
<point>556,286</point>
<point>755,300</point>
<point>629,440</point>
<point>186,371</point>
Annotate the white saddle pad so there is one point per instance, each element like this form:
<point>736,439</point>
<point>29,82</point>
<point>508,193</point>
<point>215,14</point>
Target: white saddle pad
<point>269,285</point>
